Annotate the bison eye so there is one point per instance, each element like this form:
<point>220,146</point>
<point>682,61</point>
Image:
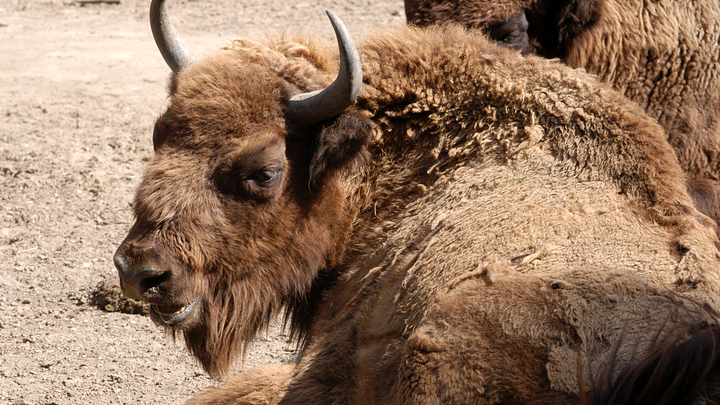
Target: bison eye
<point>512,37</point>
<point>253,171</point>
<point>263,178</point>
<point>511,33</point>
<point>242,184</point>
<point>262,183</point>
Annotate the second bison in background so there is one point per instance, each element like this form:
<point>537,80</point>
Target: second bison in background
<point>663,55</point>
<point>455,225</point>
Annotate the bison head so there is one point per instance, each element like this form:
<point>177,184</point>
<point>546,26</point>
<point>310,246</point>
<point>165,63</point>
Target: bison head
<point>241,209</point>
<point>544,27</point>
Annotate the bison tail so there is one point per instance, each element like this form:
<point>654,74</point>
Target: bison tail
<point>674,372</point>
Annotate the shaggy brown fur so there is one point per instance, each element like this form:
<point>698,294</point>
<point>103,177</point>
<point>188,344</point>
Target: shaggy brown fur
<point>662,54</point>
<point>476,227</point>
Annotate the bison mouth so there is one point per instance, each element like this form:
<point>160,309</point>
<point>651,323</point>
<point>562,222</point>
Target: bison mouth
<point>174,315</point>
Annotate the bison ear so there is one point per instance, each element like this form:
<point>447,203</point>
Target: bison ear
<point>339,145</point>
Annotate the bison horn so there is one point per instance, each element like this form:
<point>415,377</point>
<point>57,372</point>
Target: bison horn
<point>310,108</point>
<point>173,49</point>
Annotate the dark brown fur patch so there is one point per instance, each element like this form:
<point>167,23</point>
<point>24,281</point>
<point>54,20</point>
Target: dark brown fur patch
<point>674,372</point>
<point>339,144</point>
<point>555,24</point>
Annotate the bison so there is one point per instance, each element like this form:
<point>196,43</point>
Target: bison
<point>661,54</point>
<point>449,223</point>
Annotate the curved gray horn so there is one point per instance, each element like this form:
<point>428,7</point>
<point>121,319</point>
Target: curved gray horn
<point>310,108</point>
<point>172,47</point>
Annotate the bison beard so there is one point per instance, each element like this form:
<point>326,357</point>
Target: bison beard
<point>230,319</point>
<point>475,227</point>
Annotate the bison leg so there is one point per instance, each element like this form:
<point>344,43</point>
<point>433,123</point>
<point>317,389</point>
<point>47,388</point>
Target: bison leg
<point>261,386</point>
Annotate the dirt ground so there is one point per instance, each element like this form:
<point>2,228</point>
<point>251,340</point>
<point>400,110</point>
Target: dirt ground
<point>80,87</point>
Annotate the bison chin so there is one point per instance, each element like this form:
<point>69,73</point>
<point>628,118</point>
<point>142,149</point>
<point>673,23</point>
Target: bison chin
<point>225,322</point>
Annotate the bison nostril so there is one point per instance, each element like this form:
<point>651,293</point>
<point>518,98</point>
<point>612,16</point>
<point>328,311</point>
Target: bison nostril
<point>152,279</point>
<point>137,283</point>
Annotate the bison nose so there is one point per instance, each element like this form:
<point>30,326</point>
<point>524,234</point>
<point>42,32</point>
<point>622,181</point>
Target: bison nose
<point>135,282</point>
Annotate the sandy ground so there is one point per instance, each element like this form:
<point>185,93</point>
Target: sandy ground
<point>80,87</point>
